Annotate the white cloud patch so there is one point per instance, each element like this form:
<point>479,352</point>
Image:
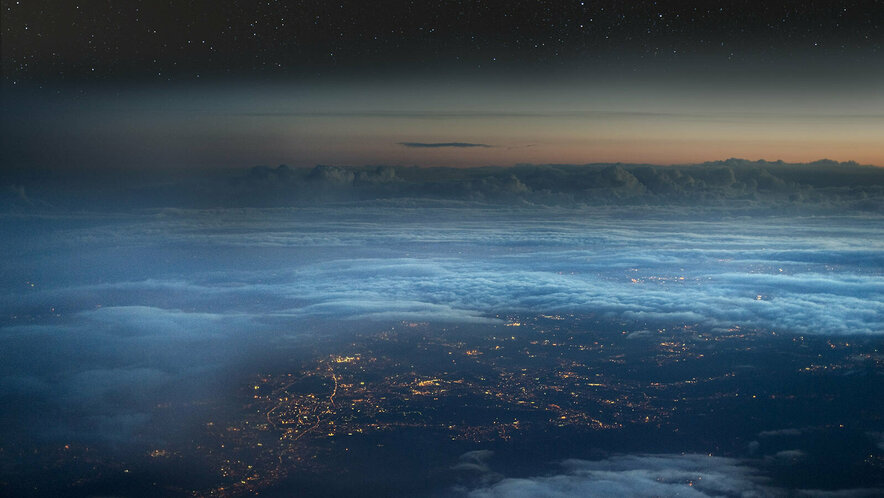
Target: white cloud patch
<point>639,476</point>
<point>648,475</point>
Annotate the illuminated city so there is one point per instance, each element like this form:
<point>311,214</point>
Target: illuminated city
<point>558,381</point>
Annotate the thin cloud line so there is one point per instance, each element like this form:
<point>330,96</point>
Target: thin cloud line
<point>548,114</point>
<point>436,145</point>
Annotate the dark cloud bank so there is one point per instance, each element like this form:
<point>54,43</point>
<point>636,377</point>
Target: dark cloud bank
<point>734,183</point>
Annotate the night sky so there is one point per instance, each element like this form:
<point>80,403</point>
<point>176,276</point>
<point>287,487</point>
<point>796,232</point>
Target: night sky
<point>347,83</point>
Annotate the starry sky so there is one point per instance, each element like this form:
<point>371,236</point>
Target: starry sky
<point>232,84</point>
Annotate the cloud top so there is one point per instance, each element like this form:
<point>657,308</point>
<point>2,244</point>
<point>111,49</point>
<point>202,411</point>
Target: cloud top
<point>734,184</point>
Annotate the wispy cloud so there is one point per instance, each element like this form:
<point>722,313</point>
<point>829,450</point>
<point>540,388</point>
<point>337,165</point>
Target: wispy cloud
<point>435,145</point>
<point>551,114</point>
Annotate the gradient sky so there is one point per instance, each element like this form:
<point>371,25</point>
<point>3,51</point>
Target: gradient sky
<point>153,272</point>
<point>307,83</point>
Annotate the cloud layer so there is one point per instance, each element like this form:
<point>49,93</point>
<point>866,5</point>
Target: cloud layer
<point>803,275</point>
<point>106,313</point>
